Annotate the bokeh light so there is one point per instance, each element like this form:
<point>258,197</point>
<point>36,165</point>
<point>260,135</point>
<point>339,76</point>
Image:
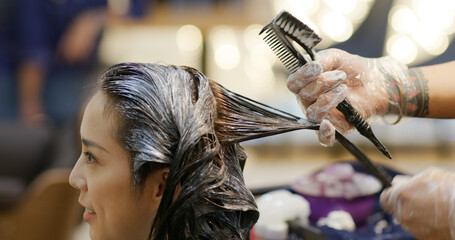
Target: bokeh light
<point>189,38</point>
<point>402,48</point>
<point>427,26</point>
<point>336,26</point>
<point>227,56</point>
<point>334,20</point>
<point>225,46</point>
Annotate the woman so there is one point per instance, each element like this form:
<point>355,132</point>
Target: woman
<point>160,155</point>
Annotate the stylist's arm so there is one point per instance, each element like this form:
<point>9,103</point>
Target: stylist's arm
<point>424,204</point>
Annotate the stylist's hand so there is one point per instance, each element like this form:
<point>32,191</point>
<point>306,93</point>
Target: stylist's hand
<point>424,204</point>
<point>321,85</point>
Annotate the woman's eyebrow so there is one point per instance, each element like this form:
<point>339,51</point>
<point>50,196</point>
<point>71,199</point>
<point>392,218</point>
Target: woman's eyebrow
<point>89,143</point>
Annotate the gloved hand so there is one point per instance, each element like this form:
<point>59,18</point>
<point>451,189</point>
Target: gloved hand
<point>372,85</point>
<point>423,204</point>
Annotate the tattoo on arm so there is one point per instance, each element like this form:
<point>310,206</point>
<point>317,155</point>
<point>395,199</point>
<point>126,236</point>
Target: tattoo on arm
<point>416,94</point>
<point>408,97</point>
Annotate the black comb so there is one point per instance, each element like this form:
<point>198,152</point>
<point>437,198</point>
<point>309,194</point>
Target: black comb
<point>279,34</point>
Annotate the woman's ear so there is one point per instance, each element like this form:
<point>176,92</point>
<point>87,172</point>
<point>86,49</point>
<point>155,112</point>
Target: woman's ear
<point>161,181</point>
<point>154,189</point>
<point>155,185</point>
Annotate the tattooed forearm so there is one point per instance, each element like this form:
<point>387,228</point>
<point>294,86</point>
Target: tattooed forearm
<point>409,96</point>
<point>416,96</point>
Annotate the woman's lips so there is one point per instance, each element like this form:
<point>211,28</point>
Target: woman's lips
<point>89,215</point>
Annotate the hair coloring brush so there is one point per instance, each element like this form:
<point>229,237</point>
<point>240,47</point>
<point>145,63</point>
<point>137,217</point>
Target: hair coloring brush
<point>279,34</point>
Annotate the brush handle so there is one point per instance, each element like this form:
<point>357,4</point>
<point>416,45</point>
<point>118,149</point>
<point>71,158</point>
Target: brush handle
<point>373,169</point>
<point>361,125</point>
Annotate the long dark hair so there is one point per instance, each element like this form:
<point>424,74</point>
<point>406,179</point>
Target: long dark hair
<point>175,117</point>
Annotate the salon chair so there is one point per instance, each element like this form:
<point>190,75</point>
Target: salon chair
<point>36,200</point>
<point>23,154</point>
<point>48,210</point>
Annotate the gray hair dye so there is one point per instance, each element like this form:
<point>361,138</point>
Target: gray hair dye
<point>174,116</point>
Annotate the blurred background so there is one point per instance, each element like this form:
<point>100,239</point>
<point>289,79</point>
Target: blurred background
<point>52,51</point>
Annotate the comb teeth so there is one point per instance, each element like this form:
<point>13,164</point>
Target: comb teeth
<point>297,30</point>
<point>290,61</point>
<point>279,34</point>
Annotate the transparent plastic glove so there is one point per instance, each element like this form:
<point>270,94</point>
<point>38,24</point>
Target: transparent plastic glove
<point>424,204</point>
<point>372,85</point>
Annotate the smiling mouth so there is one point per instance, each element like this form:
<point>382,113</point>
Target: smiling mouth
<point>89,215</point>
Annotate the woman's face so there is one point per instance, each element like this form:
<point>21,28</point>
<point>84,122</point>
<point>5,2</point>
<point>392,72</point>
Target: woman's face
<point>103,175</point>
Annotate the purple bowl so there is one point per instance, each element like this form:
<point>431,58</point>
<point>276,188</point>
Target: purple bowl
<point>338,187</point>
<point>360,208</point>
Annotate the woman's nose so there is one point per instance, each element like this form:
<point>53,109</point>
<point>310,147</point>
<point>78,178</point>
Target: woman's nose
<point>77,178</point>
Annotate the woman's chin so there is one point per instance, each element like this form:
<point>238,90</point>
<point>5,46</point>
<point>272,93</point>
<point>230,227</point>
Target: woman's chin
<point>93,234</point>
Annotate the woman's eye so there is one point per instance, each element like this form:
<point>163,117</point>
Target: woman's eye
<point>90,158</point>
